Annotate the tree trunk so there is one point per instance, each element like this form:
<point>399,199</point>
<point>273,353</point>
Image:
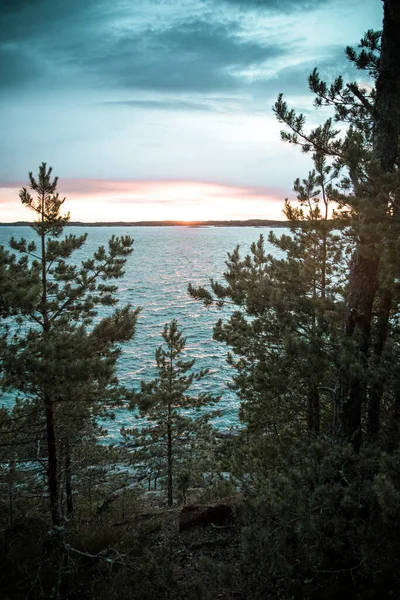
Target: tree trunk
<point>68,481</point>
<point>313,410</point>
<point>169,458</point>
<point>350,391</point>
<point>377,388</point>
<point>52,475</point>
<point>387,105</point>
<point>394,424</point>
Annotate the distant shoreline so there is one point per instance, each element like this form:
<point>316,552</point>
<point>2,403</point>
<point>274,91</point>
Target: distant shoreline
<point>247,223</point>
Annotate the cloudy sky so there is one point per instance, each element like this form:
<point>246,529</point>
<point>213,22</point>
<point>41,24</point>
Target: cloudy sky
<point>161,109</point>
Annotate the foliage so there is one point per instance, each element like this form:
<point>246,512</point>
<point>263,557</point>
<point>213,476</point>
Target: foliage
<point>366,155</point>
<point>178,423</point>
<point>284,333</point>
<point>324,518</point>
<point>54,355</point>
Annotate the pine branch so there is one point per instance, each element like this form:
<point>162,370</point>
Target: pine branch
<point>353,87</point>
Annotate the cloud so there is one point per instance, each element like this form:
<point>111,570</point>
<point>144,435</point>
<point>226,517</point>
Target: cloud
<point>129,188</point>
<point>195,55</point>
<point>18,66</point>
<point>35,37</point>
<point>180,50</point>
<point>131,200</point>
<point>169,46</point>
<point>166,104</point>
<point>136,88</point>
<point>281,6</point>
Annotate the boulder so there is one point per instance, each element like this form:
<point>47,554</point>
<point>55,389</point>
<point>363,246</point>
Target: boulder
<point>200,515</point>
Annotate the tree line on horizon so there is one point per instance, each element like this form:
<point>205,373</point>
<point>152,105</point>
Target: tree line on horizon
<point>313,341</point>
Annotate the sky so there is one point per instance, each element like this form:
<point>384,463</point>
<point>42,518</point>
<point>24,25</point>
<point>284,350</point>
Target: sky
<point>162,109</point>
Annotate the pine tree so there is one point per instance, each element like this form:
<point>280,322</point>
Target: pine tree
<point>285,329</point>
<point>369,153</point>
<point>178,422</point>
<point>56,355</point>
<point>364,164</point>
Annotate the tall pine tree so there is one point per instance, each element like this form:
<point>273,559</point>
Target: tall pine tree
<point>369,154</point>
<point>56,355</point>
<point>289,302</point>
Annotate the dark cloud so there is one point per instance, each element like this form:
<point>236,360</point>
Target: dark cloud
<point>18,66</point>
<point>82,38</point>
<point>197,103</point>
<point>169,104</point>
<point>284,6</point>
<point>293,79</point>
<point>30,19</point>
<point>254,96</point>
<point>196,56</point>
<point>58,43</point>
<point>13,6</point>
<point>36,37</point>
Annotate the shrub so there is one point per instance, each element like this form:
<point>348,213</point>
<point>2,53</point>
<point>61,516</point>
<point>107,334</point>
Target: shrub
<point>327,520</point>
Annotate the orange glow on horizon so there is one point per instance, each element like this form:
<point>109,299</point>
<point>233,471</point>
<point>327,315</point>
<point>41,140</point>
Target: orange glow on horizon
<point>187,201</point>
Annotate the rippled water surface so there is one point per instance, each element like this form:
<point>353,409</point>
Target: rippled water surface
<point>165,260</point>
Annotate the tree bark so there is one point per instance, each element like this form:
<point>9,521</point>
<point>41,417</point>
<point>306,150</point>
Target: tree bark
<point>387,105</point>
<point>313,410</point>
<point>68,481</point>
<point>394,423</point>
<point>169,458</point>
<point>377,388</point>
<point>52,476</point>
<point>350,389</point>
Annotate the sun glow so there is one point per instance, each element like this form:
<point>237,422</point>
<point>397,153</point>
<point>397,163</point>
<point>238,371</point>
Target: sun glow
<point>100,200</point>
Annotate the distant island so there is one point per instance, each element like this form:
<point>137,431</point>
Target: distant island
<point>247,223</point>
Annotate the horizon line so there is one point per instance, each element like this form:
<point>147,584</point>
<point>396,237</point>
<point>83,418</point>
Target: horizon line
<point>148,222</point>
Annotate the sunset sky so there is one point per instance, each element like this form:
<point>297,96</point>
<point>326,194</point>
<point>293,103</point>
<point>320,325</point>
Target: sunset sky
<point>161,109</point>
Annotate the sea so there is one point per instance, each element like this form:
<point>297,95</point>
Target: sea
<point>165,260</point>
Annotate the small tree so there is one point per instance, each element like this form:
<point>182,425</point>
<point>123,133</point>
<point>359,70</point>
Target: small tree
<point>178,422</point>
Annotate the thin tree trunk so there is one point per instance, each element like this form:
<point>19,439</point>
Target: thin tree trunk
<point>52,475</point>
<point>68,481</point>
<point>349,393</point>
<point>394,425</point>
<point>313,410</point>
<point>169,458</point>
<point>52,466</point>
<point>169,432</point>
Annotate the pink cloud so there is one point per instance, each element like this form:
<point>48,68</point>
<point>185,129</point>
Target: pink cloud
<point>137,200</point>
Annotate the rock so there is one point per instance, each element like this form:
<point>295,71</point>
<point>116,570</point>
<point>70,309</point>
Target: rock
<point>200,515</point>
<point>227,434</point>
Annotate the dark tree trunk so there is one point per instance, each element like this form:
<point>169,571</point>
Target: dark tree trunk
<point>387,105</point>
<point>169,458</point>
<point>52,462</point>
<point>378,386</point>
<point>52,475</point>
<point>313,410</point>
<point>394,424</point>
<point>350,390</point>
<point>68,481</point>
